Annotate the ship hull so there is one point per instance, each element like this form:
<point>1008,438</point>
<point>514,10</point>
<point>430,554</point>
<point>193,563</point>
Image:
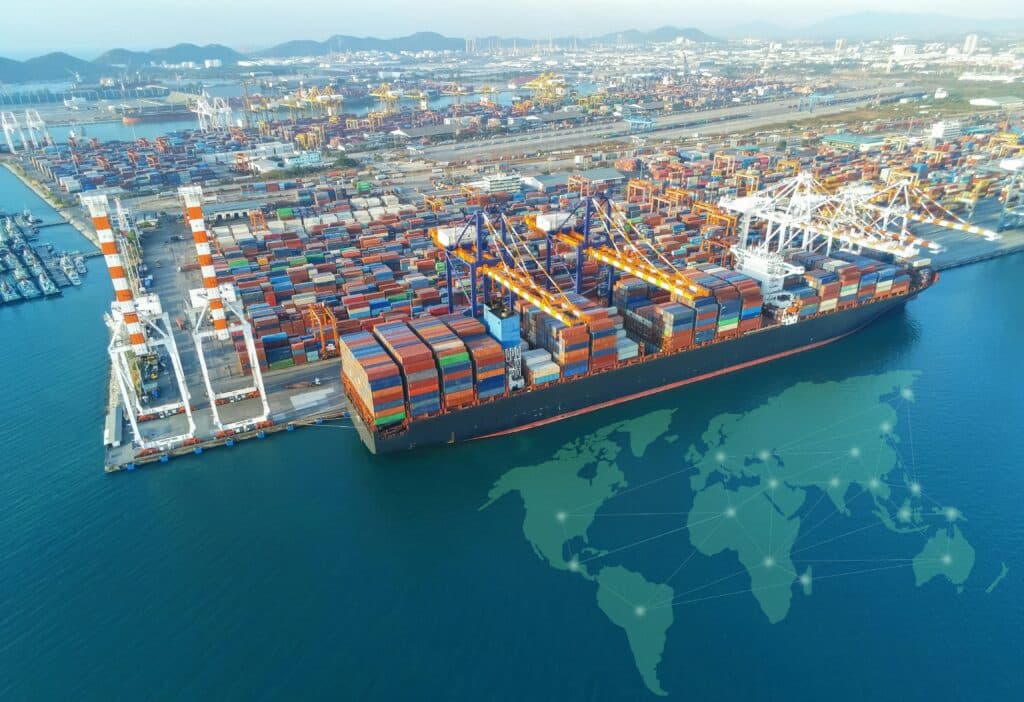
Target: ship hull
<point>527,410</point>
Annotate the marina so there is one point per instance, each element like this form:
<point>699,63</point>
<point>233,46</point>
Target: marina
<point>31,270</point>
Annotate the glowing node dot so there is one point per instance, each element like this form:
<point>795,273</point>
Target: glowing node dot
<point>875,483</point>
<point>915,488</point>
<point>946,559</point>
<point>805,579</point>
<point>574,565</point>
<point>773,483</point>
<point>730,512</point>
<point>834,482</point>
<point>764,454</point>
<point>886,427</point>
<point>640,611</point>
<point>769,562</point>
<point>855,452</point>
<point>904,514</point>
<point>952,513</point>
<point>720,456</point>
<point>907,394</point>
<point>561,516</point>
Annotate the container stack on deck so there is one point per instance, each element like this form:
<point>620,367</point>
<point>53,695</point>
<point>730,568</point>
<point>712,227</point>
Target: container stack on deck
<point>417,364</point>
<point>372,379</point>
<point>452,360</point>
<point>486,354</point>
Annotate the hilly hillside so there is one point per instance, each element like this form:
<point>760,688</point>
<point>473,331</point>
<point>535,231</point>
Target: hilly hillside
<point>421,41</point>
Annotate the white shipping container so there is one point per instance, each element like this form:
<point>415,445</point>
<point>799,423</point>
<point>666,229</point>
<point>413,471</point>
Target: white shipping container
<point>551,221</point>
<point>452,236</point>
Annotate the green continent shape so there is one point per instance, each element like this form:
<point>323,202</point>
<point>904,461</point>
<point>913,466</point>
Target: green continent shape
<point>946,553</point>
<point>807,436</point>
<point>560,501</point>
<point>761,531</point>
<point>644,610</point>
<point>760,464</point>
<point>561,497</point>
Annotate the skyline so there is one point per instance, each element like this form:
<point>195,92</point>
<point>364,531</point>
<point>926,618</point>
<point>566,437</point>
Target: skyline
<point>242,25</point>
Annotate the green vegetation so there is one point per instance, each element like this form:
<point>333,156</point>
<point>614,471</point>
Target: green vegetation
<point>344,161</point>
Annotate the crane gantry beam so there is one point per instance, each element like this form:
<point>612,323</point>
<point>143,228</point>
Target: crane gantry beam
<point>470,246</point>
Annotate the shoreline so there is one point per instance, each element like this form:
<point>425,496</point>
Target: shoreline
<point>71,219</point>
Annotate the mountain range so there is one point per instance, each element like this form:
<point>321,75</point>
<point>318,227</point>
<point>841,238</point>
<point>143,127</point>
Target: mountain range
<point>62,66</point>
<point>858,26</point>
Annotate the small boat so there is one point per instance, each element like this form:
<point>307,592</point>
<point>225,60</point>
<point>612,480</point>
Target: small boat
<point>47,286</point>
<point>27,289</point>
<point>68,267</point>
<point>80,264</point>
<point>8,293</point>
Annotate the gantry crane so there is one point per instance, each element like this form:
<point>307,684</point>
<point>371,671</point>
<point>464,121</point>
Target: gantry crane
<point>491,250</point>
<point>902,202</point>
<point>486,95</point>
<point>456,92</point>
<point>213,115</point>
<point>322,323</point>
<point>641,191</point>
<point>421,98</point>
<point>799,213</point>
<point>672,200</point>
<point>37,132</point>
<point>547,88</point>
<point>209,307</point>
<point>387,97</point>
<point>140,331</point>
<point>11,126</point>
<point>598,228</point>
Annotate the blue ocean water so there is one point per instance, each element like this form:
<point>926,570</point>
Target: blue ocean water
<point>303,568</point>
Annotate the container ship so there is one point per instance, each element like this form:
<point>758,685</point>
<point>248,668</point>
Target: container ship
<point>154,113</point>
<point>531,354</point>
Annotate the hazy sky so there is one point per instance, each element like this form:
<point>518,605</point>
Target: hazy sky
<point>88,26</point>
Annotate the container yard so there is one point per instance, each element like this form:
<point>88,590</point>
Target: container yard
<point>419,302</point>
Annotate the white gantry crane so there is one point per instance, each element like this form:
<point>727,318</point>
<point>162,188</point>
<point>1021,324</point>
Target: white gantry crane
<point>789,210</point>
<point>9,123</point>
<point>37,132</point>
<point>800,214</point>
<point>210,305</point>
<point>213,114</point>
<point>140,331</point>
<point>900,204</point>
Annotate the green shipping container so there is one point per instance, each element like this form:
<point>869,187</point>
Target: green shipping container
<point>389,418</point>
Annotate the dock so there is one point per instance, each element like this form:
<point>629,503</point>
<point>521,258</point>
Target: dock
<point>124,458</point>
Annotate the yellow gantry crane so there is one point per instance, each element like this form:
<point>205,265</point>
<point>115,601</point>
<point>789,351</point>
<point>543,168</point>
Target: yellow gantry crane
<point>547,88</point>
<point>672,200</point>
<point>421,98</point>
<point>387,97</point>
<point>486,95</point>
<point>625,250</point>
<point>456,92</point>
<point>499,269</point>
